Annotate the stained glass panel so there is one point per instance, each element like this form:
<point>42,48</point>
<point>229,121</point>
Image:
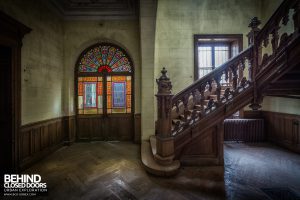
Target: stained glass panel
<point>90,95</point>
<point>105,58</point>
<point>119,94</point>
<point>104,93</point>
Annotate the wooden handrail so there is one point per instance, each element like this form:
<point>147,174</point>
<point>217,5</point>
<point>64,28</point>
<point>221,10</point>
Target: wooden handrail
<point>211,75</point>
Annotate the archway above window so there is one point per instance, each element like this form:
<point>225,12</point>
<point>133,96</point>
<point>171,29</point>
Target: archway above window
<point>105,57</point>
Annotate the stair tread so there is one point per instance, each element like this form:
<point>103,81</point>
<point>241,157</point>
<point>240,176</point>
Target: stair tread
<point>152,166</point>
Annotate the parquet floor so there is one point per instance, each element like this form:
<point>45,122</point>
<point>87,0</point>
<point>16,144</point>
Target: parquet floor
<point>113,171</point>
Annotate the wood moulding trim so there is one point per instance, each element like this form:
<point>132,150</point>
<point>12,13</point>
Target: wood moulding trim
<point>283,129</point>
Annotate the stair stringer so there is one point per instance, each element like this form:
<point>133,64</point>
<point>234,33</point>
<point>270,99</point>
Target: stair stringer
<point>210,126</point>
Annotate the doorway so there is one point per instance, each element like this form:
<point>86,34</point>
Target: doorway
<point>104,94</point>
<point>6,108</point>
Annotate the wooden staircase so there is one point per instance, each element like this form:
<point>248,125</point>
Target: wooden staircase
<point>189,127</point>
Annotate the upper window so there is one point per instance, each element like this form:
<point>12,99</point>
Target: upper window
<point>211,51</point>
<point>104,80</point>
<point>104,57</point>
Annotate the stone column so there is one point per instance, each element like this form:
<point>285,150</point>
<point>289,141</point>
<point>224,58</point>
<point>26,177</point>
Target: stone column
<point>164,138</point>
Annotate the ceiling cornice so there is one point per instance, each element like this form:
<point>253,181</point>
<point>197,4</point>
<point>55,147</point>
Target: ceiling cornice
<point>96,9</point>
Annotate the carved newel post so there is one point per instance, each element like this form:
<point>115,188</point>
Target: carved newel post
<point>164,139</point>
<point>256,56</point>
<point>256,59</point>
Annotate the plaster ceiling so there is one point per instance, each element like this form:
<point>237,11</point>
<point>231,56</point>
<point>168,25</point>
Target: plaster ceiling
<point>96,9</point>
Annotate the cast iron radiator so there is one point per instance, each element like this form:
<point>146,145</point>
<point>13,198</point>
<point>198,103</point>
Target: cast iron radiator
<point>246,130</point>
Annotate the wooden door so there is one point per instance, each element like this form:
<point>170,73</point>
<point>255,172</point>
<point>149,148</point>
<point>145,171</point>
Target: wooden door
<point>6,107</point>
<point>104,94</point>
<point>108,108</point>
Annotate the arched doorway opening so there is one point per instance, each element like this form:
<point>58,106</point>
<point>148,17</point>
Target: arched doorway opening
<point>104,93</point>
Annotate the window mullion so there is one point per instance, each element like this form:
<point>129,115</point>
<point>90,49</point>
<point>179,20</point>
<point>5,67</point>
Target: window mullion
<point>104,102</point>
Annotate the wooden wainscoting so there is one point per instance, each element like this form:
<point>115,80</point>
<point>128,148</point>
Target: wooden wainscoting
<point>252,114</point>
<point>41,138</point>
<point>111,127</point>
<point>137,128</point>
<point>283,129</point>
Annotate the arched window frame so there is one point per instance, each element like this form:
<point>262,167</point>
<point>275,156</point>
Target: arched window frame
<point>104,74</point>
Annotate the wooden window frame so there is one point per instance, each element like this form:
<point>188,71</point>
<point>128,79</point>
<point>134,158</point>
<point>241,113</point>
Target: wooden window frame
<point>228,39</point>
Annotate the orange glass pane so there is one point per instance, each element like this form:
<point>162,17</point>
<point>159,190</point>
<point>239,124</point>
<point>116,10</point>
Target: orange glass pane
<point>128,110</point>
<point>118,78</point>
<point>80,89</point>
<point>108,102</point>
<point>89,79</point>
<point>128,101</point>
<point>99,88</point>
<point>128,87</point>
<point>108,88</point>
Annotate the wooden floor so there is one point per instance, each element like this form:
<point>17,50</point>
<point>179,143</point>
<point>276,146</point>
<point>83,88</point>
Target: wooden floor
<point>112,170</point>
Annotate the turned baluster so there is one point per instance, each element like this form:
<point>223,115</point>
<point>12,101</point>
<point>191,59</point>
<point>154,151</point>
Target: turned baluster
<point>296,17</point>
<point>202,98</point>
<point>185,104</point>
<point>218,89</point>
<point>275,38</point>
<point>234,77</point>
<point>250,61</point>
<point>241,69</point>
<point>226,76</point>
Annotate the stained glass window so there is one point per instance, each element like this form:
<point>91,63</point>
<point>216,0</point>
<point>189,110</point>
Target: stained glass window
<point>90,95</point>
<point>105,58</point>
<point>118,94</point>
<point>109,92</point>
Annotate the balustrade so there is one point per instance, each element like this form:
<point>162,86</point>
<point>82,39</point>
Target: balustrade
<point>219,87</point>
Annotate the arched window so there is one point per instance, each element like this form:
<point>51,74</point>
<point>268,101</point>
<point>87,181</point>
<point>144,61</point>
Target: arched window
<point>104,80</point>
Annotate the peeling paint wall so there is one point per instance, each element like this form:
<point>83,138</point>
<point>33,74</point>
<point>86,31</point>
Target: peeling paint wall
<point>42,59</point>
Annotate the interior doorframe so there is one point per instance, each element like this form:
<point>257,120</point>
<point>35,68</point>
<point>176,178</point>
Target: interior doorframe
<point>132,74</point>
<point>11,35</point>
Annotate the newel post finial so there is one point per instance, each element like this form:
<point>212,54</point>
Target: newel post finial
<point>254,23</point>
<point>164,138</point>
<point>164,83</point>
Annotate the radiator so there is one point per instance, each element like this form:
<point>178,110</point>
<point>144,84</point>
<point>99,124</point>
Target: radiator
<point>246,130</point>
